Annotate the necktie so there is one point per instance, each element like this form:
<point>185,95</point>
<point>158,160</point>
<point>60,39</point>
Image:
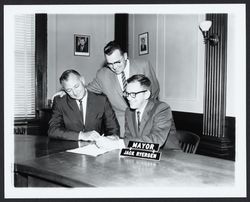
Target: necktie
<point>81,110</point>
<point>138,121</point>
<point>124,81</point>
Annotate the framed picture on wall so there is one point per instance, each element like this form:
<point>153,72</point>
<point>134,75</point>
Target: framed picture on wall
<point>81,45</point>
<point>143,43</point>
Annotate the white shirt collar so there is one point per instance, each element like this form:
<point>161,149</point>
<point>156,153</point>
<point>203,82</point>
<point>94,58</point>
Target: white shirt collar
<point>141,109</point>
<point>126,69</point>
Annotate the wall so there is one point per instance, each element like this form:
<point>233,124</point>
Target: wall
<point>61,30</point>
<point>176,51</point>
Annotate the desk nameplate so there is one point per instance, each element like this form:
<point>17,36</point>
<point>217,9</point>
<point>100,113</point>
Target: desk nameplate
<point>143,154</point>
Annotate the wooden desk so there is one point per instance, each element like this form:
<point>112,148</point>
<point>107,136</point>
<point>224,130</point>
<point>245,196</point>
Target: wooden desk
<point>45,161</point>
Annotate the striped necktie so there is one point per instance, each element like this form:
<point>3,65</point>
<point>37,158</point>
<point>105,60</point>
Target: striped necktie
<point>138,120</point>
<point>124,81</point>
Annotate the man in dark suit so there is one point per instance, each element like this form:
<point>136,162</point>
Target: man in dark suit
<point>82,45</point>
<point>143,44</point>
<point>111,79</point>
<point>146,120</point>
<point>80,114</point>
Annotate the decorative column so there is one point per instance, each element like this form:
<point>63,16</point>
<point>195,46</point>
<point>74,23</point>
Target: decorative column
<point>214,140</point>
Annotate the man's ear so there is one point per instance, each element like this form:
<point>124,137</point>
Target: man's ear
<point>147,94</point>
<point>125,55</point>
<point>82,80</point>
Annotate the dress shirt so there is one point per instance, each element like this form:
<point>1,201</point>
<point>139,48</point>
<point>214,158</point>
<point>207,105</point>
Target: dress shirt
<point>126,72</point>
<point>84,105</point>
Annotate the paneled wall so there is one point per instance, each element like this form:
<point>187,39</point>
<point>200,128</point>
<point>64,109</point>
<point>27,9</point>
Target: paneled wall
<point>176,52</point>
<point>61,30</point>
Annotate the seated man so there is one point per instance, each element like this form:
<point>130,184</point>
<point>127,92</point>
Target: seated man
<point>146,120</point>
<point>80,114</point>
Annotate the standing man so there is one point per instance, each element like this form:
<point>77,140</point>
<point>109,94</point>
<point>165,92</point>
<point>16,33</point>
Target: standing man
<point>80,114</point>
<point>111,79</point>
<point>146,120</point>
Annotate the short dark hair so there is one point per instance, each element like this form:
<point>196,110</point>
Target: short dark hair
<point>65,75</point>
<point>111,47</point>
<point>142,79</point>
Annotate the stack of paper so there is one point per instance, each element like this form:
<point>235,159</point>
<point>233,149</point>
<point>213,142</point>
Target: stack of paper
<point>90,149</point>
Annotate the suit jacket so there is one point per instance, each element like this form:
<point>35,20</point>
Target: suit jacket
<point>143,47</point>
<point>82,48</point>
<point>156,126</point>
<point>106,82</point>
<point>66,122</point>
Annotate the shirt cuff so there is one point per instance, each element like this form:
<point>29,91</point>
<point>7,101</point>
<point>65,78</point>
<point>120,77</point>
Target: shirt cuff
<point>80,136</point>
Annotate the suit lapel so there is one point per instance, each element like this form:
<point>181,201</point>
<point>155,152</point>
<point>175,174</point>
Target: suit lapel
<point>115,82</point>
<point>90,109</point>
<point>132,122</point>
<point>74,107</point>
<point>116,85</point>
<point>146,115</point>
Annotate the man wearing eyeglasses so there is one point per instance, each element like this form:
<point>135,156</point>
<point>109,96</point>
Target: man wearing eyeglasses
<point>111,79</point>
<point>146,120</point>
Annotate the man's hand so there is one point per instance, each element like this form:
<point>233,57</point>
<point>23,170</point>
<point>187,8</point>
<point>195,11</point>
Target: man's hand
<point>89,136</point>
<point>109,142</point>
<point>60,93</point>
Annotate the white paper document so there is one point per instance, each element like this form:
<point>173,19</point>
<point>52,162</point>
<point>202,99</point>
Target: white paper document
<point>91,150</point>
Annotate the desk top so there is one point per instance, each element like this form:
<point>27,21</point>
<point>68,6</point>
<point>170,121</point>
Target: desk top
<point>49,161</point>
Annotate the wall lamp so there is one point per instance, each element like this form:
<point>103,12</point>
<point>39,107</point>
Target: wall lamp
<point>213,38</point>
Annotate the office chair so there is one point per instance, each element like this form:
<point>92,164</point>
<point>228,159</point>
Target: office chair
<point>188,141</point>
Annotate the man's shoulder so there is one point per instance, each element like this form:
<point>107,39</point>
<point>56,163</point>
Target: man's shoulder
<point>103,70</point>
<point>159,105</point>
<point>98,96</point>
<point>103,74</point>
<point>60,99</point>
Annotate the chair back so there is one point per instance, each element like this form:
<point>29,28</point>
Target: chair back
<point>188,141</point>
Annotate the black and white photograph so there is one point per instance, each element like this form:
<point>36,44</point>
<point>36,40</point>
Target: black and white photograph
<point>143,43</point>
<point>128,120</point>
<point>81,45</point>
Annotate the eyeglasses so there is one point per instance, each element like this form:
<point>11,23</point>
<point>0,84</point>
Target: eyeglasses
<point>111,65</point>
<point>132,94</point>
